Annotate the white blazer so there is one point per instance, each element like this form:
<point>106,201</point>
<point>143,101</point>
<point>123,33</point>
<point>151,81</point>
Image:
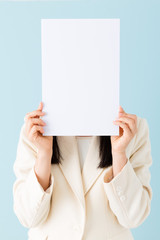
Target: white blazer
<point>83,207</point>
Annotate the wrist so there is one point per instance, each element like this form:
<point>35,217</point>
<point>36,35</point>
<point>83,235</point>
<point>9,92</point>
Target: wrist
<point>119,161</point>
<point>43,177</point>
<point>44,154</point>
<point>43,162</point>
<point>119,158</point>
<point>118,154</point>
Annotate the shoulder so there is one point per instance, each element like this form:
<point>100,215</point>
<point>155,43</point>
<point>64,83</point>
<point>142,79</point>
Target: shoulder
<point>140,138</point>
<point>142,128</point>
<point>24,142</point>
<point>141,151</point>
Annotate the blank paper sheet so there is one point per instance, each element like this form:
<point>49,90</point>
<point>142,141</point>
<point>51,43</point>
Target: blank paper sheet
<point>80,76</point>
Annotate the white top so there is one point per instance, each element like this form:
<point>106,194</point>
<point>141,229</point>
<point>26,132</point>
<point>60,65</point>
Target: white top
<point>83,147</point>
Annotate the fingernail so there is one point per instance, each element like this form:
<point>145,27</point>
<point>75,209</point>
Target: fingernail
<point>120,114</point>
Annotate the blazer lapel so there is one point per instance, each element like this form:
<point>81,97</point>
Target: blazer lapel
<point>80,182</point>
<point>90,172</point>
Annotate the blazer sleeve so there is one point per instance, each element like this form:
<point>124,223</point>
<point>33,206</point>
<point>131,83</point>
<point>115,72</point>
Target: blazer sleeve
<point>129,193</point>
<point>31,203</point>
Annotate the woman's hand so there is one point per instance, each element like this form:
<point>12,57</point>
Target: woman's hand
<point>34,129</point>
<point>128,128</point>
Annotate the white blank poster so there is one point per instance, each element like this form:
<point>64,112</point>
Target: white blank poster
<point>80,76</point>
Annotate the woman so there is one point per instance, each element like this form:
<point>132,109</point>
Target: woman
<point>57,201</point>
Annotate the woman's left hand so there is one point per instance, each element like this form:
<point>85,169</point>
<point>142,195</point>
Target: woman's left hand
<point>128,128</point>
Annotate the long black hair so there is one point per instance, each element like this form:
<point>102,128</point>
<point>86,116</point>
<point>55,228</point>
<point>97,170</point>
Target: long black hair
<point>105,152</point>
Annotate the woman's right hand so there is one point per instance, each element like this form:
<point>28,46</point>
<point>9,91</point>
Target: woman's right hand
<point>34,129</point>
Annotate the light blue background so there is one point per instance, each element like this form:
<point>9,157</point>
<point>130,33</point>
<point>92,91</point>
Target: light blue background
<point>20,83</point>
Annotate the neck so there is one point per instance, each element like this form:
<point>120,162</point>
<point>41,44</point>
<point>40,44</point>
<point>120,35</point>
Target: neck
<point>83,136</point>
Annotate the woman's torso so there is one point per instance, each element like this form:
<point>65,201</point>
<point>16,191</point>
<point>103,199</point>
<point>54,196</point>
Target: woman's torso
<point>79,207</point>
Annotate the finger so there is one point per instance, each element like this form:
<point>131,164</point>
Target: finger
<point>35,121</point>
<point>123,126</point>
<point>35,130</point>
<point>40,107</point>
<point>131,123</point>
<point>133,116</point>
<point>121,110</point>
<point>36,113</point>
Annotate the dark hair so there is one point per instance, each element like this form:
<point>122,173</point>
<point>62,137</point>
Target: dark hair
<point>105,152</point>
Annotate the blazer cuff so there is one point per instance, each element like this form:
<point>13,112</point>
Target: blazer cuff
<point>123,186</point>
<point>35,188</point>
